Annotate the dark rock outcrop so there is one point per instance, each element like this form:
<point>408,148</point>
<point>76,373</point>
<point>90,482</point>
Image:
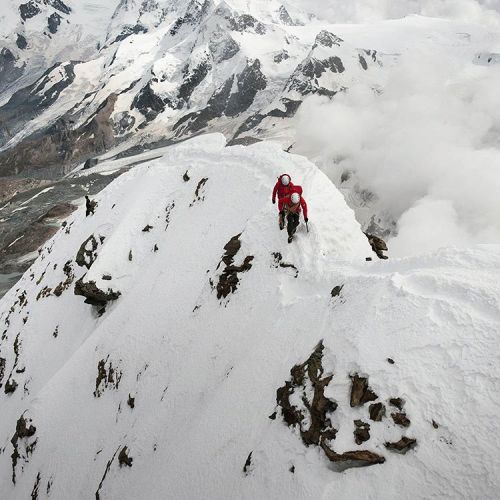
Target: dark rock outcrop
<point>316,425</point>
<point>246,22</point>
<point>249,82</point>
<point>131,401</point>
<point>94,295</point>
<point>196,11</point>
<point>327,39</point>
<point>401,419</point>
<point>305,78</point>
<point>129,30</point>
<point>361,458</point>
<point>29,10</point>
<point>54,22</point>
<point>10,386</point>
<point>199,193</point>
<point>312,418</point>
<point>403,446</point>
<point>281,56</point>
<point>124,458</point>
<point>21,42</point>
<point>64,285</point>
<point>229,279</point>
<point>278,263</point>
<point>291,108</point>
<point>225,102</point>
<point>148,103</point>
<point>2,370</point>
<point>250,123</point>
<point>59,5</point>
<point>397,402</point>
<point>198,120</point>
<point>192,78</point>
<point>108,377</point>
<point>87,253</point>
<point>91,162</point>
<point>361,431</point>
<point>36,487</point>
<point>378,245</point>
<point>360,391</point>
<point>106,471</point>
<point>362,62</point>
<point>377,412</point>
<point>248,464</point>
<point>24,430</point>
<point>314,68</point>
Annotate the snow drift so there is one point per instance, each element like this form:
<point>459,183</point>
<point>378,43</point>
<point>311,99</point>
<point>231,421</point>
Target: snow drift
<point>164,387</point>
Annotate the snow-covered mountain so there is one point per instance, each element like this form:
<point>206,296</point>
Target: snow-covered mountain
<point>120,79</point>
<point>170,70</point>
<point>36,34</point>
<point>131,75</point>
<point>173,345</point>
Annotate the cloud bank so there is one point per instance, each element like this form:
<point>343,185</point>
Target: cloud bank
<point>428,146</point>
<point>358,11</point>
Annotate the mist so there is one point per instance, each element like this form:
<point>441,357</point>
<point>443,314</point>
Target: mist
<point>358,11</point>
<point>428,146</point>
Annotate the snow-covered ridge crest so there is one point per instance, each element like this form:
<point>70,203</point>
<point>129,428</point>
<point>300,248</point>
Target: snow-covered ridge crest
<point>159,233</point>
<point>214,309</point>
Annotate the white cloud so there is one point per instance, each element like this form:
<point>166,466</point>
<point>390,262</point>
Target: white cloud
<point>341,11</point>
<point>428,146</point>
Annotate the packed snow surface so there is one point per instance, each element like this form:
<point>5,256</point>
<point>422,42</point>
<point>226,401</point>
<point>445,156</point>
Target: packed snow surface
<point>204,372</point>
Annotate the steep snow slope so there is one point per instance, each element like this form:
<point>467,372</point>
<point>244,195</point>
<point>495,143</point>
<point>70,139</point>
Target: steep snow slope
<point>186,380</point>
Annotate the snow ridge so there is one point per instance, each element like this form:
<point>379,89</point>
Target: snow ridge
<point>172,383</point>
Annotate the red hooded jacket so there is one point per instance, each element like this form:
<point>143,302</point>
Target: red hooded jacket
<point>286,203</point>
<point>283,191</point>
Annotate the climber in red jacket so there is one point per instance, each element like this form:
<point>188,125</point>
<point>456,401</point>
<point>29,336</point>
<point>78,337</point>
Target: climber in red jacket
<point>291,207</point>
<point>285,187</point>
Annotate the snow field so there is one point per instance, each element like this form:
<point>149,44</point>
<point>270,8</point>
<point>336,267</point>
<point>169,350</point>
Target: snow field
<point>204,372</point>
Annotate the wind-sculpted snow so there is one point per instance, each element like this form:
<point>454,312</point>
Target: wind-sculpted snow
<point>169,391</point>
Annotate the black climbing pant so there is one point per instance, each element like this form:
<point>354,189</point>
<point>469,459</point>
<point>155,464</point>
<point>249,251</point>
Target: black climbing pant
<point>293,222</point>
